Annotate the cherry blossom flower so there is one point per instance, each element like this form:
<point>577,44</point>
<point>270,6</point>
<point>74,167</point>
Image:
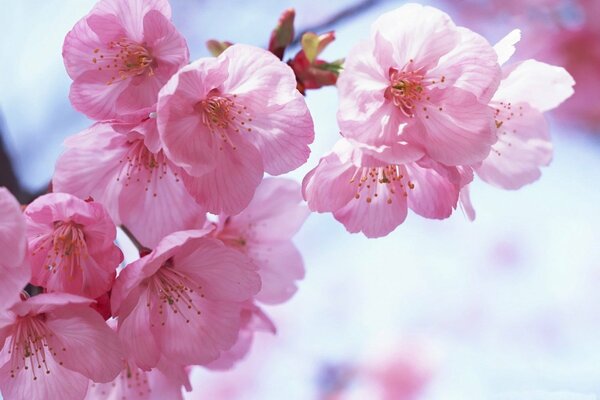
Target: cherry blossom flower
<point>227,120</point>
<point>183,301</point>
<point>52,346</point>
<point>72,245</point>
<point>14,266</point>
<point>372,195</point>
<point>120,55</point>
<point>423,80</point>
<point>123,167</point>
<point>263,231</point>
<point>528,89</point>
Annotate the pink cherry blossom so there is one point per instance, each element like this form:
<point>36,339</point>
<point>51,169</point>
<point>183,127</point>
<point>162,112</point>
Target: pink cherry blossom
<point>128,172</point>
<point>120,55</point>
<point>72,245</point>
<point>53,345</point>
<point>229,119</point>
<point>133,383</point>
<point>183,301</point>
<point>403,373</point>
<point>15,271</point>
<point>372,195</point>
<point>528,89</point>
<point>263,231</point>
<point>421,79</point>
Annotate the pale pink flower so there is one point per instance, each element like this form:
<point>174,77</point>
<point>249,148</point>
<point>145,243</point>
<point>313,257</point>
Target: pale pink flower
<point>226,120</point>
<point>72,247</point>
<point>120,55</point>
<point>15,271</point>
<point>264,231</point>
<point>128,172</point>
<point>52,346</point>
<point>528,89</point>
<point>421,79</point>
<point>162,382</point>
<point>372,195</point>
<point>183,301</point>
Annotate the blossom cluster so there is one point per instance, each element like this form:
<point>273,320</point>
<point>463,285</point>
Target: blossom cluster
<point>176,158</point>
<point>425,105</point>
<point>172,142</point>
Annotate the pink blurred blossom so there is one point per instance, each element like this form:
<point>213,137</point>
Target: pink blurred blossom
<point>226,120</point>
<point>53,344</point>
<point>191,288</point>
<point>570,35</point>
<point>421,79</point>
<point>72,245</point>
<point>120,55</point>
<point>123,167</point>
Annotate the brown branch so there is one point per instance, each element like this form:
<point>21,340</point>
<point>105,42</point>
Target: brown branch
<point>342,15</point>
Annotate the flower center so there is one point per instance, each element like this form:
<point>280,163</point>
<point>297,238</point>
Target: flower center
<point>66,248</point>
<point>223,116</point>
<point>125,58</point>
<point>374,182</point>
<point>405,90</point>
<point>174,291</point>
<point>141,165</point>
<point>29,347</point>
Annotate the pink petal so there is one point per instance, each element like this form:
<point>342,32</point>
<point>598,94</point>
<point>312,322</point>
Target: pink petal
<point>327,187</point>
<point>229,187</point>
<point>458,134</point>
<point>465,203</point>
<point>131,13</point>
<point>90,166</point>
<point>152,210</point>
<point>541,85</point>
<point>523,146</point>
<point>436,189</point>
<point>281,133</point>
<point>166,43</point>
<point>92,348</point>
<point>135,332</point>
<point>255,71</point>
<point>505,48</point>
<point>417,32</point>
<point>77,48</point>
<point>48,302</point>
<point>12,231</point>
<point>90,94</point>
<point>361,85</point>
<point>202,339</point>
<point>225,274</point>
<point>374,218</point>
<point>459,71</point>
<point>14,267</point>
<point>276,212</point>
<point>187,141</point>
<point>280,266</point>
<point>60,383</point>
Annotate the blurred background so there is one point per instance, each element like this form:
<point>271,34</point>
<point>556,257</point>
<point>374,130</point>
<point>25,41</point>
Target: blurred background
<point>506,307</point>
